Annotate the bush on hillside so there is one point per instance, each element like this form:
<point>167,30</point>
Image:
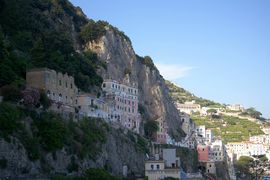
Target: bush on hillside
<point>9,119</point>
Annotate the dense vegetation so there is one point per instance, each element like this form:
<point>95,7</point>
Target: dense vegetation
<point>146,60</point>
<point>180,95</point>
<point>90,174</point>
<point>48,132</point>
<point>30,38</point>
<point>230,129</point>
<point>150,128</point>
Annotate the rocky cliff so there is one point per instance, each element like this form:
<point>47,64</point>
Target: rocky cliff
<point>36,33</point>
<point>120,149</point>
<point>125,66</point>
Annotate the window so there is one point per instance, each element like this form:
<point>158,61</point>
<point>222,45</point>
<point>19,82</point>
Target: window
<point>66,85</point>
<point>157,166</point>
<point>60,83</point>
<point>71,86</point>
<point>60,97</point>
<point>152,166</point>
<point>48,93</point>
<point>104,85</point>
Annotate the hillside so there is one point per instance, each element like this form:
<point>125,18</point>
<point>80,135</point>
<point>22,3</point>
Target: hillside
<point>54,34</point>
<point>230,129</point>
<point>180,95</point>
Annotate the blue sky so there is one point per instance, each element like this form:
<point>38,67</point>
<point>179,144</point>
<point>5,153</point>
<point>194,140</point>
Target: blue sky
<point>218,50</point>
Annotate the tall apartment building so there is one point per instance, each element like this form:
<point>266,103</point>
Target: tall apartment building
<point>123,100</point>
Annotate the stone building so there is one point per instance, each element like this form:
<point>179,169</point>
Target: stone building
<point>123,103</point>
<point>59,87</point>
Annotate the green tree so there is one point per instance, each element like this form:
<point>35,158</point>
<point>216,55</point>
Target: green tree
<point>38,55</point>
<point>52,131</point>
<point>150,127</point>
<point>98,174</point>
<point>9,119</point>
<point>93,30</point>
<point>254,113</point>
<point>244,163</point>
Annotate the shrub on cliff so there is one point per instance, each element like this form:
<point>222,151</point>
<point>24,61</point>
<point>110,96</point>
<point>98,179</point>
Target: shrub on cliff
<point>92,31</point>
<point>150,128</point>
<point>99,174</point>
<point>52,131</point>
<point>9,119</point>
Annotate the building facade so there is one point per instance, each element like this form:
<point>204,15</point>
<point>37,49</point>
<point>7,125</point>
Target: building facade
<point>161,135</point>
<point>123,103</point>
<point>188,107</point>
<point>91,106</point>
<point>166,166</point>
<point>203,152</point>
<point>60,88</point>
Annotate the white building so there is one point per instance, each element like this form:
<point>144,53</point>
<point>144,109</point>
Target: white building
<point>209,135</point>
<point>235,107</point>
<point>246,149</point>
<point>200,130</point>
<point>91,106</point>
<point>171,161</point>
<point>188,107</point>
<point>217,151</point>
<point>156,169</point>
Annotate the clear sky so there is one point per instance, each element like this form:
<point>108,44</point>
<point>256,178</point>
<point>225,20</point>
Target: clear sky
<point>218,50</point>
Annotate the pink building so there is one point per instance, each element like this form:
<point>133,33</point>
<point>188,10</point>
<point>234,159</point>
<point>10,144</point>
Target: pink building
<point>123,100</point>
<point>203,152</point>
<point>161,134</point>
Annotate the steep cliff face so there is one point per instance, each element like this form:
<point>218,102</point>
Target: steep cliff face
<point>123,65</point>
<point>119,150</point>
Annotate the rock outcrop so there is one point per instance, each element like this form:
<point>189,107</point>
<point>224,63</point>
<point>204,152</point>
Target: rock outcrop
<point>119,150</point>
<point>125,66</point>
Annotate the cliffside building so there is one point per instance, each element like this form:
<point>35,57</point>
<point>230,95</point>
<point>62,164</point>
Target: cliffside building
<point>188,107</point>
<point>91,106</point>
<point>123,103</point>
<point>161,135</point>
<point>59,87</point>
